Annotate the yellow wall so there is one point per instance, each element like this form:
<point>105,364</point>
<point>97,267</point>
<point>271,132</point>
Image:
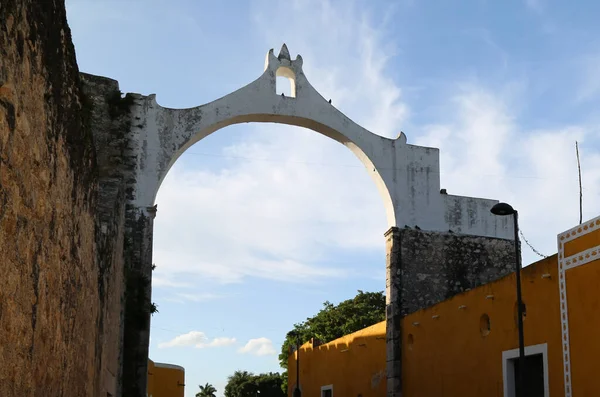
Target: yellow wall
<point>450,356</point>
<point>445,352</point>
<point>354,364</point>
<point>165,380</point>
<point>583,299</point>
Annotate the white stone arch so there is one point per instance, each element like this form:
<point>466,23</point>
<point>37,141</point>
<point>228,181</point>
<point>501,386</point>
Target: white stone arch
<point>164,134</point>
<point>407,176</point>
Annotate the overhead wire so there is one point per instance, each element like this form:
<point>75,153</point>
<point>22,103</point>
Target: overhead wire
<point>321,164</point>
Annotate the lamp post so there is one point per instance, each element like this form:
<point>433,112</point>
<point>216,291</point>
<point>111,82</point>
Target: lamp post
<point>503,209</point>
<point>297,392</point>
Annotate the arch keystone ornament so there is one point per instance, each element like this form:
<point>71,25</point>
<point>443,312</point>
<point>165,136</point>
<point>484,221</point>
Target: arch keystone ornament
<point>407,177</point>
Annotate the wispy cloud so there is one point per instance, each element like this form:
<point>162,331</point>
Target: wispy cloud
<point>165,281</point>
<point>198,340</point>
<point>259,347</point>
<point>198,297</point>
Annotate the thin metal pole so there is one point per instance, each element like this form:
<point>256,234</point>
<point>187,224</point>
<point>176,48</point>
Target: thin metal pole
<point>521,375</point>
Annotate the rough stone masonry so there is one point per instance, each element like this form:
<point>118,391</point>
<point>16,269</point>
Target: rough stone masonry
<point>62,278</point>
<point>80,165</point>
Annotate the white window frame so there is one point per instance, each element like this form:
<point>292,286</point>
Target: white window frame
<point>508,371</point>
<point>328,387</point>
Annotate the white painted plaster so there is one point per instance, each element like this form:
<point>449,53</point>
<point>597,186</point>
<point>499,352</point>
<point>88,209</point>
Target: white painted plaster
<point>169,366</point>
<point>407,176</point>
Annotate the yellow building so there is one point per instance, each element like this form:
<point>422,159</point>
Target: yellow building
<point>468,344</point>
<point>165,380</point>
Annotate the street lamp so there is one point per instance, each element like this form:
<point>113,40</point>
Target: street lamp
<point>297,392</point>
<point>503,209</point>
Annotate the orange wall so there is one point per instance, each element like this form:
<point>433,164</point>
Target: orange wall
<point>165,380</point>
<point>353,364</point>
<point>449,355</point>
<point>583,300</point>
<point>583,284</point>
<point>150,387</point>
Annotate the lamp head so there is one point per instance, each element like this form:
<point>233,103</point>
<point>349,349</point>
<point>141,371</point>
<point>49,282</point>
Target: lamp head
<point>502,209</point>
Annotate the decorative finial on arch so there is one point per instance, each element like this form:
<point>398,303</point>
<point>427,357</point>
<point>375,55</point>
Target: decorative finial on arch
<point>284,53</point>
<point>283,61</point>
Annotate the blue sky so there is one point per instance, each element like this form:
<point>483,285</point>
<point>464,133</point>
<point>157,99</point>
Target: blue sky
<point>258,224</point>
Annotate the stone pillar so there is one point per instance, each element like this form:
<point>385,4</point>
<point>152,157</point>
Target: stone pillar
<point>138,273</point>
<point>393,289</point>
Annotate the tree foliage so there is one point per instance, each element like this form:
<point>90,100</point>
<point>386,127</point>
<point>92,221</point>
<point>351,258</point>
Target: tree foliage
<point>246,384</point>
<point>335,321</point>
<point>207,390</point>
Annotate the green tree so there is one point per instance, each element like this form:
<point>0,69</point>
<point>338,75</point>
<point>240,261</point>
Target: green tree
<point>241,384</point>
<point>207,390</point>
<point>246,384</point>
<point>335,321</point>
<point>270,385</point>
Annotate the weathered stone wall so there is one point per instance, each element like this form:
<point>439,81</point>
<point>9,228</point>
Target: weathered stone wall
<point>128,305</point>
<point>61,216</point>
<point>441,265</point>
<point>109,122</point>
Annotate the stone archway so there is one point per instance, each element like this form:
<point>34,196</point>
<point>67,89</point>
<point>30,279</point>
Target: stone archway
<point>407,177</point>
<point>165,134</point>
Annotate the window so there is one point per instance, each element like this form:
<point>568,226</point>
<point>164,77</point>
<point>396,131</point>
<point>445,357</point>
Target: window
<point>535,382</point>
<point>327,391</point>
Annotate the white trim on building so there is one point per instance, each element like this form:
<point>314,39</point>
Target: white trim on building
<point>565,264</point>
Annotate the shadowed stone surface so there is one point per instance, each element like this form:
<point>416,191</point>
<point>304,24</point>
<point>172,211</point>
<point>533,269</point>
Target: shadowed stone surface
<point>437,266</point>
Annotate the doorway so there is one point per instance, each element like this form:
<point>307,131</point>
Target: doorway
<point>327,391</point>
<point>535,372</point>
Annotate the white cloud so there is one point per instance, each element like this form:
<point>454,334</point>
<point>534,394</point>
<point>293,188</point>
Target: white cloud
<point>197,339</point>
<point>219,342</point>
<point>190,297</point>
<point>259,347</point>
<point>165,281</point>
<point>192,338</point>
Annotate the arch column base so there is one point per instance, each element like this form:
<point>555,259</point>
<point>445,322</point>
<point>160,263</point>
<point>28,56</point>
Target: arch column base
<point>393,314</point>
<point>139,226</point>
